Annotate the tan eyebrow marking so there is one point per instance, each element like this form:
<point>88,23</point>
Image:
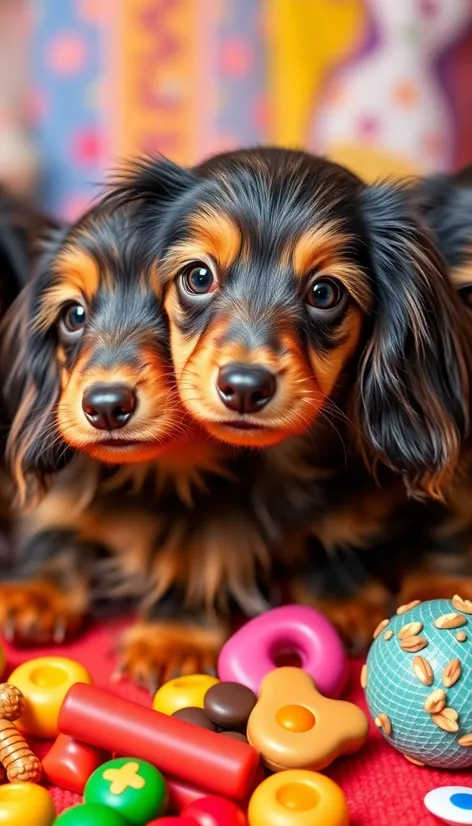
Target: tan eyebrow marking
<point>76,275</point>
<point>80,270</point>
<point>213,235</point>
<point>218,234</point>
<point>323,249</point>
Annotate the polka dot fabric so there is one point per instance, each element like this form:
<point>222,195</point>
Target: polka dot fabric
<point>394,689</point>
<point>393,92</point>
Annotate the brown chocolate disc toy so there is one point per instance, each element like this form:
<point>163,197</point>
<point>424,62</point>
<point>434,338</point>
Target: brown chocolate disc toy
<point>196,716</point>
<point>229,705</point>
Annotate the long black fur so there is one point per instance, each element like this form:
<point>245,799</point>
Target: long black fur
<point>402,398</point>
<point>412,394</point>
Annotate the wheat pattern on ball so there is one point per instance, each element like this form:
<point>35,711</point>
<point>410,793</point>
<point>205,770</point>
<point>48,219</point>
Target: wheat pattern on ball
<point>419,678</point>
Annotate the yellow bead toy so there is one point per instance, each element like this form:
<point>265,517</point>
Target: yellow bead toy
<point>25,804</point>
<point>183,692</point>
<point>298,798</point>
<point>44,682</point>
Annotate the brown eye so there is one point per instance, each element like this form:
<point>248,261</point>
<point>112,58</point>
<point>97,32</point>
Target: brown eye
<point>198,279</point>
<point>72,321</point>
<point>324,294</point>
<point>466,295</point>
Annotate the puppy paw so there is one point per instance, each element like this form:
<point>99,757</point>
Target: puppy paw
<point>36,612</point>
<point>355,618</point>
<point>424,586</point>
<point>154,652</point>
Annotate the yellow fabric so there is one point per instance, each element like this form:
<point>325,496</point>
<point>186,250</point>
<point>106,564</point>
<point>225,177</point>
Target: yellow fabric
<point>307,39</point>
<point>371,164</point>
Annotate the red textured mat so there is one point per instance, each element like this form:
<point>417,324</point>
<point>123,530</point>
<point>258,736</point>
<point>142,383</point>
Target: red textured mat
<point>382,788</point>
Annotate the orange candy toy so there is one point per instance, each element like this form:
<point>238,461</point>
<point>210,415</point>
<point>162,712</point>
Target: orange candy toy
<point>293,726</point>
<point>298,798</point>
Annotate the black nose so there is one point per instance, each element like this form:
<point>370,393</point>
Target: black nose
<point>109,406</point>
<point>246,388</point>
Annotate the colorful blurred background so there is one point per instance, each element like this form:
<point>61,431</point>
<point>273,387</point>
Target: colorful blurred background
<point>384,86</point>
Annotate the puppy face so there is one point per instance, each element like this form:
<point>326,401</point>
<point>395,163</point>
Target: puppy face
<point>91,372</point>
<point>115,399</point>
<point>291,287</point>
<point>266,294</point>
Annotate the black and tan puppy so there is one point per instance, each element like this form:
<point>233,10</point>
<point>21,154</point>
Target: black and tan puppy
<point>289,283</point>
<point>310,317</point>
<point>312,340</point>
<point>131,500</point>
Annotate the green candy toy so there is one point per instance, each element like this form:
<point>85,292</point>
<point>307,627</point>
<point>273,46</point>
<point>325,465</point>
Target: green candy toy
<point>132,788</point>
<point>92,814</point>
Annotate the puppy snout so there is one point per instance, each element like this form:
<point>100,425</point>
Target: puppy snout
<point>109,406</point>
<point>245,388</point>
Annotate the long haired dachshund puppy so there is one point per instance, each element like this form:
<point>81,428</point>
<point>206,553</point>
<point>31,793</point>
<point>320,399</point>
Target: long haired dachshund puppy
<point>131,501</point>
<point>309,314</point>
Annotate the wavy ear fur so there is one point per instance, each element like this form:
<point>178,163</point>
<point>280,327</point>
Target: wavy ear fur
<point>30,383</point>
<point>151,179</point>
<point>413,392</point>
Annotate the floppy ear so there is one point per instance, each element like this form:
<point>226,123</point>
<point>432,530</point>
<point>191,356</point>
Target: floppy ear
<point>151,179</point>
<point>30,386</point>
<point>413,392</point>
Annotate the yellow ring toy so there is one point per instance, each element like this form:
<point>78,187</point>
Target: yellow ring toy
<point>44,682</point>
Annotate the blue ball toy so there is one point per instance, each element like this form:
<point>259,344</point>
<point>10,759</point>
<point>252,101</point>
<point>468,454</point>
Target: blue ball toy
<point>418,682</point>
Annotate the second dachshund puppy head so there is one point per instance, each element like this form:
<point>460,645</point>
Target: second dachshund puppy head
<point>85,354</point>
<point>291,286</point>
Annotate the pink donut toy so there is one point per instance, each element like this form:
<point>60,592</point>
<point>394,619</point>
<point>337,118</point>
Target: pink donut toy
<point>295,629</point>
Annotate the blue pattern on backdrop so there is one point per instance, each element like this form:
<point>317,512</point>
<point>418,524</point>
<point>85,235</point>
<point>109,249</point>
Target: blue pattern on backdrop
<point>68,113</point>
<point>242,92</point>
